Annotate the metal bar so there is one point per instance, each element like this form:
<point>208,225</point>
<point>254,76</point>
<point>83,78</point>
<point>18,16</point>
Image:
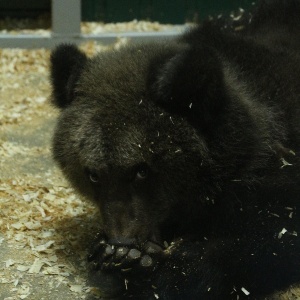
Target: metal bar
<point>108,38</point>
<point>31,41</point>
<point>66,17</point>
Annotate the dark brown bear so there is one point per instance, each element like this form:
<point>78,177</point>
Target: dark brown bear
<point>190,148</point>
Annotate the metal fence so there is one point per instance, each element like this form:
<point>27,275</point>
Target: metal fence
<point>66,18</point>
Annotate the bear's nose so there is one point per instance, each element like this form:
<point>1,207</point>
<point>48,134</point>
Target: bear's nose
<point>122,241</point>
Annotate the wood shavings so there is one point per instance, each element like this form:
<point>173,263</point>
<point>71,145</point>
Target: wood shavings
<point>43,247</point>
<point>42,28</point>
<point>55,270</point>
<point>22,268</point>
<point>139,26</point>
<point>53,258</point>
<point>8,149</point>
<point>29,228</point>
<point>36,266</point>
<point>76,288</point>
<point>22,60</point>
<point>17,225</point>
<point>24,291</point>
<point>33,225</point>
<point>9,263</point>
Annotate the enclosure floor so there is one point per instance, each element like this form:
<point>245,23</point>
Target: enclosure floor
<point>45,227</point>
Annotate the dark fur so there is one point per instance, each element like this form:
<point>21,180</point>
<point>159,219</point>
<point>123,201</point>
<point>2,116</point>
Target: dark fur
<point>187,142</point>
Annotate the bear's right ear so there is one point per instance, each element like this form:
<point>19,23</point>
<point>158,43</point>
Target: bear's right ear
<point>67,63</point>
<point>191,84</point>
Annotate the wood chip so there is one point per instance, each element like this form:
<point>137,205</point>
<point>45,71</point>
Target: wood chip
<point>36,266</point>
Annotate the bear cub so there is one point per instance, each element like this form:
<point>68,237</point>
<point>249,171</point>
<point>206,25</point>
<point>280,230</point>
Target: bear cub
<point>190,149</point>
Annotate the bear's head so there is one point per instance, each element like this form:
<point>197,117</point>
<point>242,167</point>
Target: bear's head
<point>129,135</point>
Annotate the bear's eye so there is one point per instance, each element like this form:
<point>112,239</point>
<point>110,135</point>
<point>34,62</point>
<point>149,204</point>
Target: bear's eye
<point>142,172</point>
<point>94,178</point>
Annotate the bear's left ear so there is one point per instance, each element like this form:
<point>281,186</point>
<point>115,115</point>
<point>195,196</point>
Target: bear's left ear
<point>191,84</point>
<point>67,63</point>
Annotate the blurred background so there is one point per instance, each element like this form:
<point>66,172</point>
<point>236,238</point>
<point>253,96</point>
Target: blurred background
<point>163,11</point>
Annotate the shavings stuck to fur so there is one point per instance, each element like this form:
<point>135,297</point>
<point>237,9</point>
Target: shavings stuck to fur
<point>247,293</point>
<point>289,208</point>
<point>284,163</point>
<point>156,296</point>
<point>126,270</point>
<point>292,152</point>
<point>281,233</point>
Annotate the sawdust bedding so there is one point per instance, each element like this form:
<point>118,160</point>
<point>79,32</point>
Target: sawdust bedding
<point>29,27</point>
<point>45,228</point>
